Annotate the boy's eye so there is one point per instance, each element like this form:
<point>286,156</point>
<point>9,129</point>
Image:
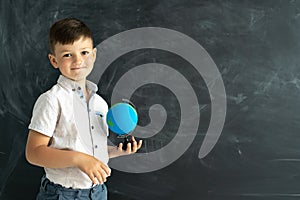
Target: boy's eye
<point>67,55</point>
<point>85,52</point>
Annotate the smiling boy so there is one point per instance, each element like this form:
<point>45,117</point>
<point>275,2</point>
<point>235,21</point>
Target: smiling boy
<point>66,136</point>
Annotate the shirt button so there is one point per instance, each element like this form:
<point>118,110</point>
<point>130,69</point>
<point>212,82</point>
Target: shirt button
<point>96,146</point>
<point>92,127</point>
<point>73,89</point>
<point>79,88</point>
<point>81,97</point>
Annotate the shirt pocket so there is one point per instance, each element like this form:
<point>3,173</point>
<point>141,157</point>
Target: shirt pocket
<point>101,121</point>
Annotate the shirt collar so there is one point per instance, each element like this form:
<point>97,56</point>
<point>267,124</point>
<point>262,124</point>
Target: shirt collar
<point>72,85</point>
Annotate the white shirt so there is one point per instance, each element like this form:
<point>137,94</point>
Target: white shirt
<point>73,123</point>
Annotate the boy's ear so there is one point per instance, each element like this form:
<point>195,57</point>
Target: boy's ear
<point>53,60</point>
<point>94,53</point>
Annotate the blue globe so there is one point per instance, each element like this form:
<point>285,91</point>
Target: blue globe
<point>122,118</point>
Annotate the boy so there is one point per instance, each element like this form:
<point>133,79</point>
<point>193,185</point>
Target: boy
<point>66,136</point>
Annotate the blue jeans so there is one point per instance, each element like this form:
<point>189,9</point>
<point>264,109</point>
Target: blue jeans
<point>52,191</point>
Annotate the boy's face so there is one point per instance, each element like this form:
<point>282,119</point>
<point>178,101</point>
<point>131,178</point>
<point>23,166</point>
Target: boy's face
<point>74,61</point>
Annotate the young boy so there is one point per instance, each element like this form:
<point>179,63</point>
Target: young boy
<point>68,136</point>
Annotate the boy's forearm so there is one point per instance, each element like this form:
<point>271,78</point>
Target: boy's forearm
<point>116,151</point>
<point>39,153</point>
<point>113,151</point>
<point>45,156</point>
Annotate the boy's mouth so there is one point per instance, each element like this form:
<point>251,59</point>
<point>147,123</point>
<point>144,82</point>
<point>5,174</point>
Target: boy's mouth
<point>77,68</point>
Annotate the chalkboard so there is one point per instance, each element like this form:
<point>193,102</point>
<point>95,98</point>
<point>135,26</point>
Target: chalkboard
<point>255,46</point>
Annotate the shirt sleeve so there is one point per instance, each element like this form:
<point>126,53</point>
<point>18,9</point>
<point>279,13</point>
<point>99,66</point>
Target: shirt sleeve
<point>45,115</point>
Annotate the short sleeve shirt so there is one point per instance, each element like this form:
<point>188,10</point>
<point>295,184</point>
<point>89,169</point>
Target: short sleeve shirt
<point>63,114</point>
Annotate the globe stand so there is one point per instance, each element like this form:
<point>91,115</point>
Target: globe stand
<point>127,137</point>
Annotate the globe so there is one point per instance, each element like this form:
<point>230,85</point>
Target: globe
<point>122,118</point>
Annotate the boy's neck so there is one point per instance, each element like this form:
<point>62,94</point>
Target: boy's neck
<point>82,83</point>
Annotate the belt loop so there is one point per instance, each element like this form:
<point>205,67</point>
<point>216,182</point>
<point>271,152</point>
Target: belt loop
<point>91,193</point>
<point>44,182</point>
<point>78,194</point>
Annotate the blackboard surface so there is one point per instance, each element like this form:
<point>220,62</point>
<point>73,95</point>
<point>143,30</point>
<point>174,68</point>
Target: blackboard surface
<point>256,47</point>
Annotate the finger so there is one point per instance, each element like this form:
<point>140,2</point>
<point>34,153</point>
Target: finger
<point>120,147</point>
<point>139,144</point>
<point>133,139</point>
<point>106,169</point>
<point>128,150</point>
<point>109,171</point>
<point>103,175</point>
<point>99,177</point>
<point>134,146</point>
<point>93,178</point>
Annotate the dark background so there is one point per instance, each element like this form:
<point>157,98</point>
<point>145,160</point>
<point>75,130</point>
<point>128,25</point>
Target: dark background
<point>256,46</point>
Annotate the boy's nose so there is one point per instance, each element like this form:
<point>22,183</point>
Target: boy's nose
<point>78,59</point>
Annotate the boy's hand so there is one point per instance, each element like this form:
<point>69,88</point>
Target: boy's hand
<point>95,169</point>
<point>132,147</point>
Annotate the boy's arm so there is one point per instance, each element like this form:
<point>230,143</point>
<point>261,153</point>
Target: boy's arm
<point>39,153</point>
<point>114,151</point>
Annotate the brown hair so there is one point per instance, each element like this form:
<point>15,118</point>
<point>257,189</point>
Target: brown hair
<point>66,31</point>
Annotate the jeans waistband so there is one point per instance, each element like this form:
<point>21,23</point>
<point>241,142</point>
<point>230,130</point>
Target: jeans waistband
<point>47,185</point>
